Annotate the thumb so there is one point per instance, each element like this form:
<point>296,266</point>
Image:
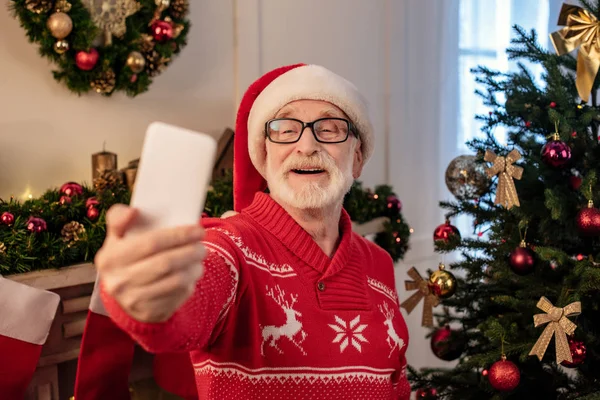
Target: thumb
<point>119,219</point>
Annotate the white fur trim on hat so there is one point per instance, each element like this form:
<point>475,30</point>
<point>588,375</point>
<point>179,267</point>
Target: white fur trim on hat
<point>310,82</point>
<point>26,313</point>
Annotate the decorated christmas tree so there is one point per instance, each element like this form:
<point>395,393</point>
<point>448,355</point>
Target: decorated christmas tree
<point>519,308</point>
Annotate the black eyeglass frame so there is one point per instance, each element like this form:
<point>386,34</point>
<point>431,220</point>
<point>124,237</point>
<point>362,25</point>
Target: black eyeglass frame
<point>351,128</point>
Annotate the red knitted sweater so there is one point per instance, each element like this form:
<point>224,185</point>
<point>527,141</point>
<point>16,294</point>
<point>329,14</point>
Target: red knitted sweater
<point>275,318</point>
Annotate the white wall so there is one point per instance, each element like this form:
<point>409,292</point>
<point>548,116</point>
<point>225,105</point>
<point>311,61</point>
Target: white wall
<point>392,50</point>
<point>47,134</point>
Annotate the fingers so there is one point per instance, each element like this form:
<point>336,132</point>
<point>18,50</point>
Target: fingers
<point>185,259</point>
<point>133,249</point>
<point>118,219</point>
<point>158,301</point>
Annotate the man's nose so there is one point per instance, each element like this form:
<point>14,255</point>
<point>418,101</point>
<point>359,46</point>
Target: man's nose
<point>307,144</point>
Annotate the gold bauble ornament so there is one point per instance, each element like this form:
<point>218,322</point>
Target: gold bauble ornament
<point>61,46</point>
<point>136,62</point>
<point>442,283</point>
<point>60,25</point>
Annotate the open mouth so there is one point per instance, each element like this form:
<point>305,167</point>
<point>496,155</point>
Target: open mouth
<point>308,171</point>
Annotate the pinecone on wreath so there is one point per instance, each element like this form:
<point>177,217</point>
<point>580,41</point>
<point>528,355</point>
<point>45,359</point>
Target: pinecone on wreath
<point>72,232</point>
<point>155,63</point>
<point>39,6</point>
<point>178,8</point>
<point>105,82</point>
<point>108,179</point>
<point>146,43</point>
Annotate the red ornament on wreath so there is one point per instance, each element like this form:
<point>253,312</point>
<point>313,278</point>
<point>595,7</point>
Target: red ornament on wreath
<point>578,352</point>
<point>92,213</point>
<point>71,189</point>
<point>522,260</point>
<point>555,152</point>
<point>91,202</point>
<point>162,31</point>
<point>446,345</point>
<point>87,60</point>
<point>588,220</point>
<point>36,225</point>
<point>7,218</point>
<point>394,206</point>
<point>64,200</point>
<point>446,232</point>
<point>504,375</point>
<point>426,394</point>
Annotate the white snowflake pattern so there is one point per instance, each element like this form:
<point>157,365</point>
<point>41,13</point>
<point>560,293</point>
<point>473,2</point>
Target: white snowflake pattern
<point>349,333</point>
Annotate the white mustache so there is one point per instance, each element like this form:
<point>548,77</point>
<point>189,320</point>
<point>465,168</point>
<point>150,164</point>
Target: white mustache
<point>319,161</point>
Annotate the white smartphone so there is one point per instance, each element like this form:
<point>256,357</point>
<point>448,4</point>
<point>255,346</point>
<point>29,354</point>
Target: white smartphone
<point>173,176</point>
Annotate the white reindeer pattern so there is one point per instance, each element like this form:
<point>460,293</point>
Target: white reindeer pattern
<point>393,340</point>
<point>271,333</point>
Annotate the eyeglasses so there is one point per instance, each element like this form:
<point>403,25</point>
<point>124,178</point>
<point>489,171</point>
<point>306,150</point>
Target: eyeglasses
<point>325,130</point>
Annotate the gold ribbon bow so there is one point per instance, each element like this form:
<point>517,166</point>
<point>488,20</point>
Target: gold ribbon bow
<point>423,291</point>
<point>506,193</point>
<point>559,326</point>
<point>582,29</point>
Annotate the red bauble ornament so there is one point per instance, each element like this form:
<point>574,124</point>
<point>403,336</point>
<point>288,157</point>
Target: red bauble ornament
<point>504,375</point>
<point>393,205</point>
<point>578,352</point>
<point>446,232</point>
<point>426,394</point>
<point>36,225</point>
<point>555,152</point>
<point>575,182</point>
<point>162,31</point>
<point>522,260</point>
<point>65,200</point>
<point>7,218</point>
<point>71,189</point>
<point>446,345</point>
<point>91,202</point>
<point>528,124</point>
<point>87,60</point>
<point>552,104</point>
<point>92,213</point>
<point>588,220</point>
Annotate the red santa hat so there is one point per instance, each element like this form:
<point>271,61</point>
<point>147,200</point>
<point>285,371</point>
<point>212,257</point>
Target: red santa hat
<point>265,97</point>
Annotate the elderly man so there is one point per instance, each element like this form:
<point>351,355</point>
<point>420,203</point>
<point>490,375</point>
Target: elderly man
<point>282,300</point>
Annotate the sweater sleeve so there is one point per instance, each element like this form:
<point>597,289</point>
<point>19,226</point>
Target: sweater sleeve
<point>191,326</point>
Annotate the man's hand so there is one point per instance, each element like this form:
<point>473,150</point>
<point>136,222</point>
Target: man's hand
<point>152,274</point>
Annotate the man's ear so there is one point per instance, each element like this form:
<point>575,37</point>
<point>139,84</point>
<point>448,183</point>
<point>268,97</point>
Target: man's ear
<point>358,160</point>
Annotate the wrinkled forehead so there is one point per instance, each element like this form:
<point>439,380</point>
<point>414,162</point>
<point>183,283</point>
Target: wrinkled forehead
<point>320,109</point>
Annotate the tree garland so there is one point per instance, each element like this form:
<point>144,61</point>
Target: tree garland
<point>67,226</point>
<point>117,45</point>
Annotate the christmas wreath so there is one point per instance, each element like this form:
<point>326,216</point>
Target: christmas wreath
<point>106,45</point>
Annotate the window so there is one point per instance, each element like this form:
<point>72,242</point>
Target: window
<point>485,31</point>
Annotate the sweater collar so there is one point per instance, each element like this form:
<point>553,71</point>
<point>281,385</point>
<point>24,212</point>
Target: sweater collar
<point>271,216</point>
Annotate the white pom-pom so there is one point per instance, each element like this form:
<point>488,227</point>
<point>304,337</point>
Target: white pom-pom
<point>229,213</point>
